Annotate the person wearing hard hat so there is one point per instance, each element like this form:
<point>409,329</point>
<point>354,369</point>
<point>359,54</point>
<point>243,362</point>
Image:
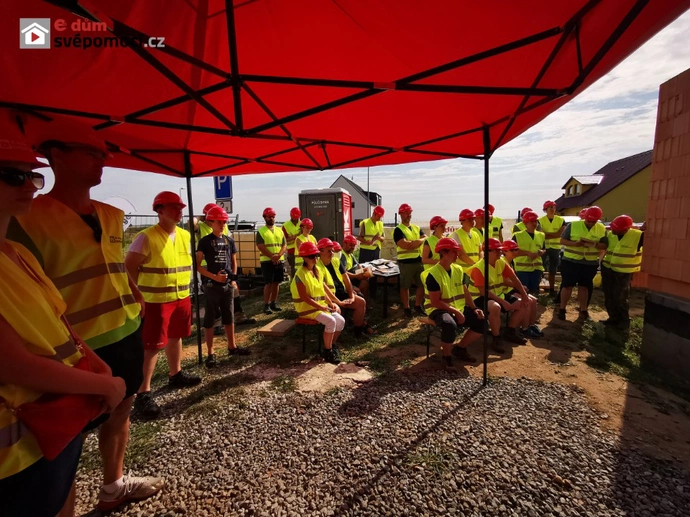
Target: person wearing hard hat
<point>479,223</point>
<point>305,226</point>
<point>217,261</point>
<point>272,245</point>
<point>78,242</point>
<point>359,277</point>
<point>553,227</point>
<point>520,225</point>
<point>430,258</point>
<point>583,241</point>
<point>291,229</point>
<point>582,214</point>
<point>314,301</point>
<point>500,274</point>
<point>495,224</point>
<point>449,303</point>
<point>371,236</point>
<point>33,331</point>
<point>202,226</point>
<point>409,239</point>
<point>334,276</point>
<point>528,260</point>
<point>528,326</point>
<point>623,258</point>
<point>337,250</point>
<point>470,242</point>
<point>160,261</point>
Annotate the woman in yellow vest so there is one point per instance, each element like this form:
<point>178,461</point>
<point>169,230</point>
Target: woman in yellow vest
<point>38,353</point>
<point>313,300</point>
<point>623,258</point>
<point>305,226</point>
<point>430,257</point>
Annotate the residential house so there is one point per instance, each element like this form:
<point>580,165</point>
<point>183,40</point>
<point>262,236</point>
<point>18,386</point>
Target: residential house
<point>360,203</point>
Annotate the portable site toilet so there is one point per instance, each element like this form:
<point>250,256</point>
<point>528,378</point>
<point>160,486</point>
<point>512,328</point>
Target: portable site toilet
<point>330,209</point>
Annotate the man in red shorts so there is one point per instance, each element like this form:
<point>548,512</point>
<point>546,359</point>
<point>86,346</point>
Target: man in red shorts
<point>160,261</point>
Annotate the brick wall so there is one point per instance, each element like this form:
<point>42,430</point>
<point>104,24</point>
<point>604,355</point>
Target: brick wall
<point>666,258</point>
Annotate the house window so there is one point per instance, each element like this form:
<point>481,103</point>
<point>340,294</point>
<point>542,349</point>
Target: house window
<point>577,189</point>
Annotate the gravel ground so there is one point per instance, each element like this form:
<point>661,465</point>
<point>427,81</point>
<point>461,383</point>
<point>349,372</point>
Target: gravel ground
<point>400,445</point>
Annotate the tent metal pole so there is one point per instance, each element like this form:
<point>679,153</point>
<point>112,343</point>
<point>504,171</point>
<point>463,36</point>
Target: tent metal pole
<point>195,278</point>
<point>487,235</point>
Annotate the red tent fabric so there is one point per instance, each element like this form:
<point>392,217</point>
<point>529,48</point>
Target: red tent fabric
<point>284,85</point>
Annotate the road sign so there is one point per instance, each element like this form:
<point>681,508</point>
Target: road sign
<point>225,204</point>
<point>223,185</point>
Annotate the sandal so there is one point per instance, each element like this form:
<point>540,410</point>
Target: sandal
<point>368,329</point>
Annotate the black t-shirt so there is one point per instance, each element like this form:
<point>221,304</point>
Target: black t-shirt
<point>218,252</point>
<point>339,286</point>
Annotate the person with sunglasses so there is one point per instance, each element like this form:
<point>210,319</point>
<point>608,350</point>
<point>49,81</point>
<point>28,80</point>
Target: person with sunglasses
<point>38,354</point>
<point>79,243</point>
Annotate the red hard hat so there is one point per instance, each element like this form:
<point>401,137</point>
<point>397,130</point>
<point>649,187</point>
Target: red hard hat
<point>509,246</point>
<point>479,212</point>
<point>525,210</point>
<point>337,246</point>
<point>530,217</point>
<point>167,198</point>
<point>446,244</point>
<point>436,220</point>
<point>350,239</point>
<point>216,213</point>
<point>547,204</point>
<point>208,207</point>
<point>621,223</point>
<point>379,211</point>
<point>307,222</point>
<point>466,214</point>
<point>593,214</point>
<point>68,131</point>
<point>494,244</point>
<point>307,249</point>
<point>404,209</point>
<point>491,209</point>
<point>582,213</point>
<point>324,243</point>
<point>269,211</point>
<point>295,213</point>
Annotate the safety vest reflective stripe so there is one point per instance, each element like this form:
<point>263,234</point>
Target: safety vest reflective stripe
<point>292,231</point>
<point>100,309</point>
<point>63,351</point>
<point>551,227</point>
<point>371,230</point>
<point>411,233</point>
<point>166,277</point>
<point>88,273</point>
<point>470,242</point>
<point>578,231</point>
<point>496,284</point>
<point>528,243</point>
<point>315,298</point>
<point>165,270</point>
<point>273,240</point>
<point>616,257</point>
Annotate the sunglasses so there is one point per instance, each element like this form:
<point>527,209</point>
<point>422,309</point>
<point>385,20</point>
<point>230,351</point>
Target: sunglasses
<point>17,177</point>
<point>313,257</point>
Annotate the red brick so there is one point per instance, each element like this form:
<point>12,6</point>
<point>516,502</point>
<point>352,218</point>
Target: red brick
<point>683,250</point>
<point>681,104</point>
<point>671,208</point>
<point>680,226</point>
<point>685,207</point>
<point>671,107</point>
<point>681,124</point>
<point>684,144</point>
<point>663,110</point>
<point>662,188</point>
<point>667,248</point>
<point>675,145</point>
<point>667,147</point>
<point>666,228</point>
<point>671,268</point>
<point>686,273</point>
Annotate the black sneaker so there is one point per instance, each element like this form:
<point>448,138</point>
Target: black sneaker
<point>497,345</point>
<point>561,314</point>
<point>330,356</point>
<point>408,312</point>
<point>238,351</point>
<point>211,361</point>
<point>419,310</point>
<point>511,335</point>
<point>536,330</point>
<point>145,406</point>
<point>267,310</point>
<point>183,379</point>
<point>275,308</point>
<point>463,354</point>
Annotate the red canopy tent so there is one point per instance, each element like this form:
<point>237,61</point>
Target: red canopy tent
<point>254,86</point>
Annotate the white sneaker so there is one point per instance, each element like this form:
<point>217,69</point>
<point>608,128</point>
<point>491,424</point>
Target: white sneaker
<point>133,489</point>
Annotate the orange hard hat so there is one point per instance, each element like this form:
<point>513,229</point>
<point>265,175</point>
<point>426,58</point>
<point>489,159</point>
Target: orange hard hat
<point>307,249</point>
<point>491,209</point>
<point>208,207</point>
<point>295,213</point>
<point>621,223</point>
<point>404,209</point>
<point>269,211</point>
<point>350,239</point>
<point>446,244</point>
<point>379,211</point>
<point>167,198</point>
<point>307,222</point>
<point>436,220</point>
<point>593,214</point>
<point>337,246</point>
<point>494,244</point>
<point>547,204</point>
<point>525,210</point>
<point>466,213</point>
<point>324,243</point>
<point>479,213</point>
<point>530,217</point>
<point>509,246</point>
<point>216,213</point>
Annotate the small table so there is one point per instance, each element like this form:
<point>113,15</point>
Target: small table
<point>391,271</point>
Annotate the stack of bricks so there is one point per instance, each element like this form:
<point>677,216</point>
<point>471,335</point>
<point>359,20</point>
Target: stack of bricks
<point>666,258</point>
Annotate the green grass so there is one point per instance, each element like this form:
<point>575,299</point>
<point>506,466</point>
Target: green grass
<point>432,458</point>
<point>284,384</point>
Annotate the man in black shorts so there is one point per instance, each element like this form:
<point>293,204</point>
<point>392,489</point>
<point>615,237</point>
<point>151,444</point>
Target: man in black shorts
<point>271,243</point>
<point>219,252</point>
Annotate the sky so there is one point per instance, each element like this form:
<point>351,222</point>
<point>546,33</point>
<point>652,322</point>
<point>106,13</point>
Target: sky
<point>612,119</point>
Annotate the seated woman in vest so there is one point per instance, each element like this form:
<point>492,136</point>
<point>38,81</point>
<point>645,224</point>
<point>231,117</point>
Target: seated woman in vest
<point>305,227</point>
<point>500,273</point>
<point>528,326</point>
<point>38,353</point>
<point>314,301</point>
<point>334,275</point>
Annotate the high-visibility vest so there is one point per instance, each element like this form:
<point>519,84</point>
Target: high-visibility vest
<point>166,277</point>
<point>622,255</point>
<point>371,229</point>
<point>349,260</point>
<point>548,226</point>
<point>478,231</point>
<point>411,233</point>
<point>520,228</point>
<point>452,291</point>
<point>292,230</point>
<point>299,240</point>
<point>471,244</point>
<point>495,225</point>
<point>273,240</point>
<point>90,275</point>
<point>32,306</point>
<point>432,241</point>
<point>315,290</point>
<point>527,243</point>
<point>496,284</point>
<point>578,231</point>
<point>326,276</point>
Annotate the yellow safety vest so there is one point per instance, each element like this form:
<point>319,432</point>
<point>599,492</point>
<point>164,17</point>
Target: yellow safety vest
<point>471,244</point>
<point>299,240</point>
<point>495,225</point>
<point>32,306</point>
<point>432,240</point>
<point>411,233</point>
<point>622,255</point>
<point>578,231</point>
<point>273,240</point>
<point>520,227</point>
<point>326,274</point>
<point>551,227</point>
<point>349,260</point>
<point>90,275</point>
<point>314,289</point>
<point>527,243</point>
<point>496,284</point>
<point>166,277</point>
<point>371,229</point>
<point>452,291</point>
<point>292,230</point>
